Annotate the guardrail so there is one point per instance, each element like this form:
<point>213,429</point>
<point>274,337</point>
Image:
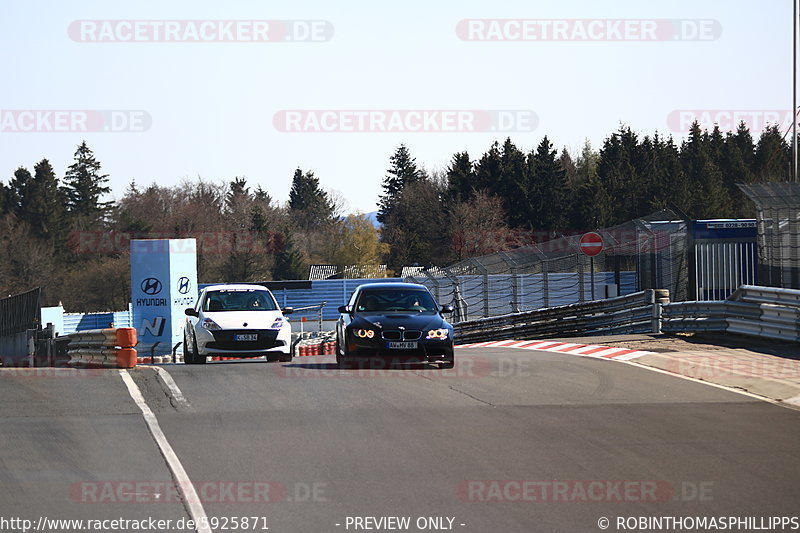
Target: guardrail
<point>639,312</point>
<point>110,347</point>
<point>767,312</point>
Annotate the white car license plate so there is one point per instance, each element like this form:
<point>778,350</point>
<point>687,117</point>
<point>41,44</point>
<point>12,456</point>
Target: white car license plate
<point>246,337</point>
<point>401,345</point>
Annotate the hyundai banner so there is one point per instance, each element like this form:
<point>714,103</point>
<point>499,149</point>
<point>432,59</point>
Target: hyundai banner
<point>163,285</point>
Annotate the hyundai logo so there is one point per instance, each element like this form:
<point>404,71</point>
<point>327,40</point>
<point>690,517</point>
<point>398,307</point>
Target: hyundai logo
<point>151,286</point>
<point>184,285</point>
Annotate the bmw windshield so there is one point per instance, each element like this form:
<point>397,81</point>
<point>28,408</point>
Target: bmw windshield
<point>392,300</point>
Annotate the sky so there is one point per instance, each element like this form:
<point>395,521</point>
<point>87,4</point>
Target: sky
<point>441,77</point>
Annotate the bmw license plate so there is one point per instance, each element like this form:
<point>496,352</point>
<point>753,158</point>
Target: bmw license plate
<point>407,345</point>
<point>246,337</point>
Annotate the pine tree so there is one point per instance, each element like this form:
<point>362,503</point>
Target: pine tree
<point>237,192</point>
<point>711,199</point>
<point>262,196</point>
<point>45,205</point>
<point>488,170</point>
<point>547,188</point>
<point>460,178</point>
<point>617,169</point>
<point>3,199</point>
<point>773,157</point>
<point>308,203</point>
<point>586,164</point>
<point>569,167</point>
<point>513,185</point>
<point>84,186</point>
<point>403,171</point>
<point>288,262</point>
<point>19,191</point>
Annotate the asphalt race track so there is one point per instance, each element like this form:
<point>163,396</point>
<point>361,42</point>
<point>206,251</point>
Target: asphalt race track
<point>508,441</point>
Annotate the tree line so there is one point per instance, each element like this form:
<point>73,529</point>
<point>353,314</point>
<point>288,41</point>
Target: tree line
<point>507,196</point>
<point>64,235</point>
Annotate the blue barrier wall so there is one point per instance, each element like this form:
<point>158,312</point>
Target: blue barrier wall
<point>82,321</point>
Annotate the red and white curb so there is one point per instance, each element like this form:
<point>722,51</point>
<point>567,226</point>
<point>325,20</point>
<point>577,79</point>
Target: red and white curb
<point>584,350</point>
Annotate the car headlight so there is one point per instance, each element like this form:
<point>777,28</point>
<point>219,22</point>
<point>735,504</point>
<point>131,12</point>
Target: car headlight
<point>278,324</point>
<point>364,333</point>
<point>438,334</point>
<point>210,324</point>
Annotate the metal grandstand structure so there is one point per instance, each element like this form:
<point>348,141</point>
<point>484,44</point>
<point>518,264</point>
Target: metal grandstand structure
<point>647,253</point>
<point>778,218</point>
<point>320,272</point>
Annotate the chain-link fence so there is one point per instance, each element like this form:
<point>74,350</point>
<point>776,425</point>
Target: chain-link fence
<point>647,253</point>
<point>778,219</point>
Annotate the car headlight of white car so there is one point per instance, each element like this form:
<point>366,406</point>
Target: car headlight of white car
<point>210,324</point>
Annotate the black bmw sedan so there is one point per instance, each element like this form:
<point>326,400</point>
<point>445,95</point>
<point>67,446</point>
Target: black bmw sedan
<point>394,323</point>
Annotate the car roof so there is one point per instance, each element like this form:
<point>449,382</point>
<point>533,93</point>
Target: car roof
<point>236,286</point>
<point>385,285</point>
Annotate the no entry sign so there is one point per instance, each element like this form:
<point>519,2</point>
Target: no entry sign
<point>591,243</point>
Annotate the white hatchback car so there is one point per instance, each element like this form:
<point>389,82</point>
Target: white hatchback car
<point>237,320</point>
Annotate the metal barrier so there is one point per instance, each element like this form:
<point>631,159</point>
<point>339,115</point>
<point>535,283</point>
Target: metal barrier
<point>19,323</point>
<point>751,310</point>
<point>635,313</point>
<point>110,347</point>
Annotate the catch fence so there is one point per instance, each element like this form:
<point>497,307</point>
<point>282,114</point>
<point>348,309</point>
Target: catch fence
<point>647,253</point>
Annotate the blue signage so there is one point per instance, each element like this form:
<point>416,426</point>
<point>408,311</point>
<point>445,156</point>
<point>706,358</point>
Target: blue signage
<point>163,285</point>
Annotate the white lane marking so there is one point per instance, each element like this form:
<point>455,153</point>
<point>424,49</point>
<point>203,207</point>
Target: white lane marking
<point>789,404</point>
<point>174,391</point>
<point>185,486</point>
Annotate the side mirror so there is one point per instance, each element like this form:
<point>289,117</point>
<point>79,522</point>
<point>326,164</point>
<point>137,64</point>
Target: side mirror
<point>287,310</point>
<point>345,309</point>
<point>447,309</point>
<point>189,311</point>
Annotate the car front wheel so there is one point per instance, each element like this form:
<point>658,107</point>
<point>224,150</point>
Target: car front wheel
<point>192,356</point>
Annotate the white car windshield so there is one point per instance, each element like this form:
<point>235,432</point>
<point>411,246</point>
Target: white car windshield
<point>238,300</point>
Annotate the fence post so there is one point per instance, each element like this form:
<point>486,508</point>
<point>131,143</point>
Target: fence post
<point>546,283</point>
<point>436,292</point>
<point>581,288</point>
<point>515,306</point>
<point>651,298</point>
<point>485,286</point>
<point>462,309</point>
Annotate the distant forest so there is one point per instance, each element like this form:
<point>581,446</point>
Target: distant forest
<point>60,233</point>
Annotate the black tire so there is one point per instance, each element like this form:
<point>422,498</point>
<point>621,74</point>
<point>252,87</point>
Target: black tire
<point>285,358</point>
<point>193,357</point>
<point>447,365</point>
<point>341,354</point>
